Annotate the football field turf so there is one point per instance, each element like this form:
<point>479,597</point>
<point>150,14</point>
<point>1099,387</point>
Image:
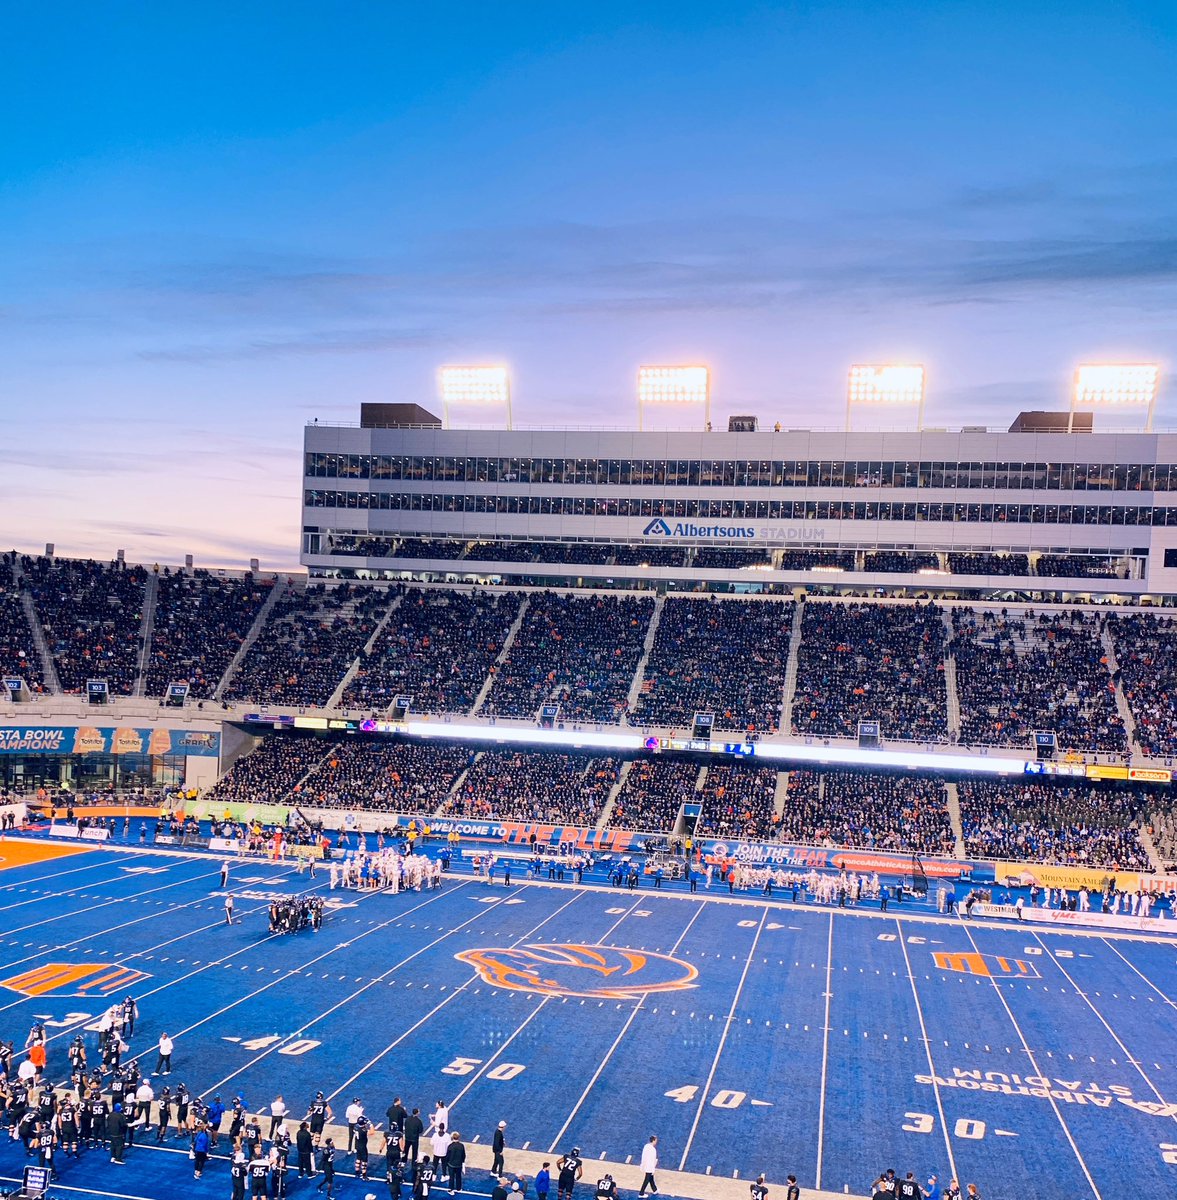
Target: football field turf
<point>749,1035</point>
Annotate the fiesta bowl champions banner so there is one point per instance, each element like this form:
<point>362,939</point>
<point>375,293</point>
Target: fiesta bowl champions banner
<point>95,739</point>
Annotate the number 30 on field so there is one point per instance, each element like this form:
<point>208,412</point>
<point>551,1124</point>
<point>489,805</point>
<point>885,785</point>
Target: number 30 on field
<point>964,1128</point>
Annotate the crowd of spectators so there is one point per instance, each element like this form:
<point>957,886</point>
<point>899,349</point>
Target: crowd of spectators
<point>650,555</point>
<point>719,656</point>
<point>18,657</point>
<point>729,558</point>
<point>865,810</point>
<point>900,562</point>
<point>807,560</point>
<point>200,623</point>
<point>271,772</point>
<point>870,662</point>
<point>579,652</point>
<point>977,563</point>
<point>653,792</point>
<point>518,785</point>
<point>439,548</point>
<point>1146,657</point>
<point>1018,672</point>
<point>1077,566</point>
<point>307,644</point>
<point>361,547</point>
<point>405,777</point>
<point>436,647</point>
<point>738,802</point>
<point>517,552</point>
<point>92,614</point>
<point>1076,824</point>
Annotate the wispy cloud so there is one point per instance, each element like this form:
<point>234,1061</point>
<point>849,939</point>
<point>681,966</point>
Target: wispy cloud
<point>333,342</point>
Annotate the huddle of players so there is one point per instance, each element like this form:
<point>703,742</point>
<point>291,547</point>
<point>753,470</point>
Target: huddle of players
<point>889,1186</point>
<point>298,912</point>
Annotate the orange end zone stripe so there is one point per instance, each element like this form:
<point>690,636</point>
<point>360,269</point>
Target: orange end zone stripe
<point>21,854</point>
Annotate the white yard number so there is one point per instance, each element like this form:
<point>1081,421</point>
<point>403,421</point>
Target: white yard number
<point>67,1020</point>
<point>461,1066</point>
<point>297,1047</point>
<point>301,1046</point>
<point>728,1099</point>
<point>260,1043</point>
<point>1033,950</point>
<point>682,1095</point>
<point>886,937</point>
<point>465,1066</point>
<point>969,1130</point>
<point>1169,1153</point>
<point>746,924</point>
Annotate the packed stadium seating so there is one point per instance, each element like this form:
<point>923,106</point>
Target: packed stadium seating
<point>897,562</point>
<point>557,789</point>
<point>447,548</point>
<point>1021,671</point>
<point>309,640</point>
<point>272,771</point>
<point>806,560</point>
<point>652,556</point>
<point>738,801</point>
<point>200,622</point>
<point>728,558</point>
<point>653,792</point>
<point>1055,822</point>
<point>975,563</point>
<point>868,811</point>
<point>1076,566</point>
<point>580,652</point>
<point>18,656</point>
<point>92,615</point>
<point>1146,655</point>
<point>724,657</point>
<point>436,647</point>
<point>871,662</point>
<point>405,777</point>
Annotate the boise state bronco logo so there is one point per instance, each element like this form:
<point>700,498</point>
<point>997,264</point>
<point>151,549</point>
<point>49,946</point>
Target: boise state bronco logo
<point>598,972</point>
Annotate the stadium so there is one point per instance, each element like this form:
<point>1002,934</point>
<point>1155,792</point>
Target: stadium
<point>805,795</point>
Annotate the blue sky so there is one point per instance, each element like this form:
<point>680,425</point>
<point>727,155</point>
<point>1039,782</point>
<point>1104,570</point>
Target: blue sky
<point>219,221</point>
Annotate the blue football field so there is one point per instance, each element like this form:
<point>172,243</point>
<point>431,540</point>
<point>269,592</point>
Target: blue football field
<point>749,1035</point>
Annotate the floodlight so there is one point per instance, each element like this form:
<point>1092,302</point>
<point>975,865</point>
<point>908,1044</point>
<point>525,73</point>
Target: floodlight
<point>1115,385</point>
<point>475,387</point>
<point>886,385</point>
<point>674,385</point>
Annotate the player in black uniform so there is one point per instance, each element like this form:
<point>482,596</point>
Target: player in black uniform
<point>259,1175</point>
<point>238,1173</point>
<point>394,1165</point>
<point>571,1168</point>
<point>67,1124</point>
<point>908,1189</point>
<point>165,1116</point>
<point>363,1127</point>
<point>45,1140</point>
<point>318,1115</point>
<point>423,1178</point>
<point>327,1166</point>
<point>279,1165</point>
<point>606,1188</point>
<point>792,1192</point>
<point>759,1189</point>
<point>98,1113</point>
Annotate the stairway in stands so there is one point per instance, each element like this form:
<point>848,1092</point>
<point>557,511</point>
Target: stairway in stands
<point>952,803</point>
<point>40,644</point>
<point>508,642</point>
<point>1122,706</point>
<point>786,721</point>
<point>336,697</point>
<point>263,615</point>
<point>950,684</point>
<point>639,675</point>
<point>146,629</point>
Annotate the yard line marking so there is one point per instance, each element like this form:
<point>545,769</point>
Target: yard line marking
<point>1164,996</point>
<point>927,1050</point>
<point>1103,1021</point>
<point>1037,1070</point>
<point>825,1053</point>
<point>722,1039</point>
<point>616,1042</point>
<point>458,991</point>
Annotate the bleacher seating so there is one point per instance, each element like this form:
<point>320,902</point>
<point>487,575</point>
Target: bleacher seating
<point>405,777</point>
<point>650,556</point>
<point>728,558</point>
<point>92,615</point>
<point>807,560</point>
<point>200,623</point>
<point>718,656</point>
<point>436,647</point>
<point>977,563</point>
<point>18,657</point>
<point>1017,672</point>
<point>653,792</point>
<point>1076,566</point>
<point>1075,824</point>
<point>271,772</point>
<point>1146,655</point>
<point>899,562</point>
<point>518,785</point>
<point>738,802</point>
<point>580,652</point>
<point>307,644</point>
<point>868,811</point>
<point>859,662</point>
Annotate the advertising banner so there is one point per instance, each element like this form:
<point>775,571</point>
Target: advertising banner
<point>100,739</point>
<point>1051,916</point>
<point>1028,874</point>
<point>780,854</point>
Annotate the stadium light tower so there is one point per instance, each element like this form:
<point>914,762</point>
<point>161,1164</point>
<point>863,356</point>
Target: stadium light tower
<point>661,386</point>
<point>474,387</point>
<point>1115,385</point>
<point>886,385</point>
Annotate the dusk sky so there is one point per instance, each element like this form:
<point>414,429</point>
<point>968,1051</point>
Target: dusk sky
<point>219,221</point>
